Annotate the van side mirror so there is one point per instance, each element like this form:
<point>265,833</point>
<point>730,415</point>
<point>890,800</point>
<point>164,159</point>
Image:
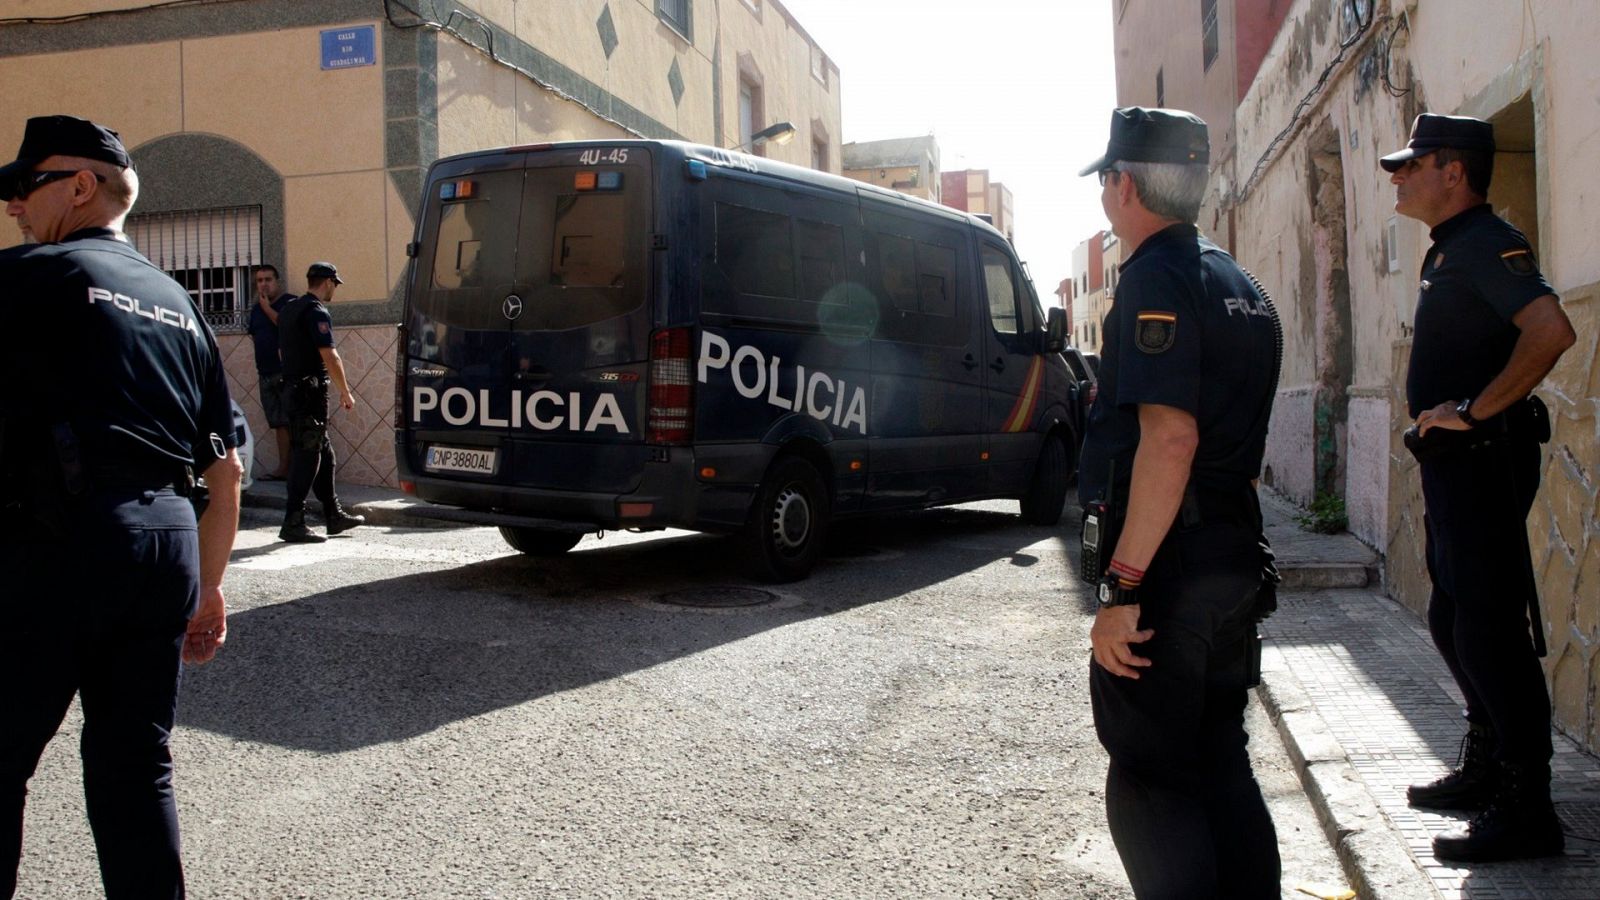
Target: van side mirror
<point>1055,330</point>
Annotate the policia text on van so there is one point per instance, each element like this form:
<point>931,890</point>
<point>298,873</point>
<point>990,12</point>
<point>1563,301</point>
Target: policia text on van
<point>644,334</point>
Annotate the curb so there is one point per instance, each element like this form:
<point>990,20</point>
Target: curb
<point>1313,576</point>
<point>1369,847</point>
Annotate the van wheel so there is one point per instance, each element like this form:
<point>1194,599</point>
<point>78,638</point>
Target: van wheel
<point>1047,493</point>
<point>539,541</point>
<point>789,521</point>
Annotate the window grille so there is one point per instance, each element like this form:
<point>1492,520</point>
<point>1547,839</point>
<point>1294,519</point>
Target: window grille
<point>210,252</point>
<point>1208,31</point>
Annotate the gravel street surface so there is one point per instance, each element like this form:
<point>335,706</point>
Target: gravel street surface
<point>410,712</point>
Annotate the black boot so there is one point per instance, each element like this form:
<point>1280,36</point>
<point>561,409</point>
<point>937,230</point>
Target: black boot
<point>1468,786</point>
<point>338,519</point>
<point>1520,822</point>
<point>294,530</point>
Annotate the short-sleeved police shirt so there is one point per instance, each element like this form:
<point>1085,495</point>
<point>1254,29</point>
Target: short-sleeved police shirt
<point>304,328</point>
<point>1479,273</point>
<point>105,342</point>
<point>1190,330</point>
<point>264,336</point>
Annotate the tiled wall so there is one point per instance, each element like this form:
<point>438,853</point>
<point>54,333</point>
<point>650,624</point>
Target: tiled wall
<point>363,438</point>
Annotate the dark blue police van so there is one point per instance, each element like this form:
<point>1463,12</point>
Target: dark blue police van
<point>644,334</point>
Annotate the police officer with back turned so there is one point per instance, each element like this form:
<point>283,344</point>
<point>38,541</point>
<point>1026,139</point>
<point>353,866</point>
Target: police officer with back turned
<point>1174,442</point>
<point>116,399</point>
<point>1488,330</point>
<point>305,335</point>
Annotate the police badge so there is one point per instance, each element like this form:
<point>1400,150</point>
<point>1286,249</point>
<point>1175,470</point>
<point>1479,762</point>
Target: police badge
<point>1154,332</point>
<point>1520,261</point>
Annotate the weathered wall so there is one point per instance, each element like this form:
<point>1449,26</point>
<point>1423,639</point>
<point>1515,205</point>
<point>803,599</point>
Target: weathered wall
<point>1529,65</point>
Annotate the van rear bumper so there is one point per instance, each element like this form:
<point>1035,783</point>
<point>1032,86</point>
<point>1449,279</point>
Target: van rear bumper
<point>669,495</point>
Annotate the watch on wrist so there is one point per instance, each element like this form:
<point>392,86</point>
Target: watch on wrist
<point>1112,593</point>
<point>1464,413</point>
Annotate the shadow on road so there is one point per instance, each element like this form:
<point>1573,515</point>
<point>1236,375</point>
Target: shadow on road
<point>387,660</point>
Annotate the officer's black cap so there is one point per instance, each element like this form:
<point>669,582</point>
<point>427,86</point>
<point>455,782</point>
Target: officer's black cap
<point>47,136</point>
<point>324,270</point>
<point>1432,132</point>
<point>1154,135</point>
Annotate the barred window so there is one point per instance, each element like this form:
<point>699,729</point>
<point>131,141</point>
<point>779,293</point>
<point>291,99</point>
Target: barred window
<point>210,252</point>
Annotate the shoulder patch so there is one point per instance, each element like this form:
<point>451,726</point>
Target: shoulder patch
<point>323,327</point>
<point>1154,332</point>
<point>1520,261</point>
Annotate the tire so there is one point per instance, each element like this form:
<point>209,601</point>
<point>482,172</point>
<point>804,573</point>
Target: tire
<point>1047,492</point>
<point>539,541</point>
<point>789,521</point>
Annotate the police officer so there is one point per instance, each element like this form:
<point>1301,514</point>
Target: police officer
<point>1488,330</point>
<point>115,398</point>
<point>1174,441</point>
<point>263,328</point>
<point>305,336</point>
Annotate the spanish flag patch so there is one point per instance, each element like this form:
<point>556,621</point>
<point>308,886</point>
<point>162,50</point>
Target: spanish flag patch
<point>1154,332</point>
<point>1520,261</point>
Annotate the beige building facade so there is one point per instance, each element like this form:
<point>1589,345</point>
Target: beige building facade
<point>284,132</point>
<point>1314,217</point>
<point>908,165</point>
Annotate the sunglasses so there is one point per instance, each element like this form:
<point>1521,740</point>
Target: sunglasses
<point>20,186</point>
<point>1105,174</point>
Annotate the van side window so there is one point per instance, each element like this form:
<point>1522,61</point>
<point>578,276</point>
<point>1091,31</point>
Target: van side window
<point>821,261</point>
<point>897,271</point>
<point>1002,290</point>
<point>756,250</point>
<point>936,279</point>
<point>917,281</point>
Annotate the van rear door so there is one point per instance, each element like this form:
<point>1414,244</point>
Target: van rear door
<point>528,333</point>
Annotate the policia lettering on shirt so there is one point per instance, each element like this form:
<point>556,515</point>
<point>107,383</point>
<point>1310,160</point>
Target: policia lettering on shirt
<point>1188,374</point>
<point>1488,330</point>
<point>117,401</point>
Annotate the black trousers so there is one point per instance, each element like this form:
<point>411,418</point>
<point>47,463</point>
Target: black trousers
<point>1185,811</point>
<point>311,459</point>
<point>101,615</point>
<point>1477,511</point>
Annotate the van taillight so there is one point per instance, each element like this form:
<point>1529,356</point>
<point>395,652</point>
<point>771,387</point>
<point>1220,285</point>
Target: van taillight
<point>671,390</point>
<point>401,341</point>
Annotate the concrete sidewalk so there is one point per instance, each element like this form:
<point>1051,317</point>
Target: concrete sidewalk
<point>1363,702</point>
<point>1367,707</point>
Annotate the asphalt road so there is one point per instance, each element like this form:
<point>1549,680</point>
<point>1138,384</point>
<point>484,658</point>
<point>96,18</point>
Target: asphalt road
<point>423,713</point>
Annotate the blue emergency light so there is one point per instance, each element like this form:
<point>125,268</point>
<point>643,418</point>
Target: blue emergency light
<point>609,181</point>
<point>456,190</point>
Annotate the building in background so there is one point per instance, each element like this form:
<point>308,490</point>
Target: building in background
<point>971,190</point>
<point>908,165</point>
<point>1094,265</point>
<point>282,131</point>
<point>1321,89</point>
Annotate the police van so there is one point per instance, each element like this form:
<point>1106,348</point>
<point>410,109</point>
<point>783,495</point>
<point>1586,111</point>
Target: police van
<point>650,334</point>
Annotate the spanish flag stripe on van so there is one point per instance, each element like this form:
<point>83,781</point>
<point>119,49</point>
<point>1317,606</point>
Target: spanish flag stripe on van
<point>1022,412</point>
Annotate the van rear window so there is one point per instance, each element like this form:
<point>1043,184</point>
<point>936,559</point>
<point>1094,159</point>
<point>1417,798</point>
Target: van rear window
<point>572,246</point>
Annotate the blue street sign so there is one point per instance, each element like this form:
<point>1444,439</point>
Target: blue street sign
<point>346,48</point>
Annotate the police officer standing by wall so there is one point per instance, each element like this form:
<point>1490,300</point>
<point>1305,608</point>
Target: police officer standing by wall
<point>116,399</point>
<point>1174,441</point>
<point>263,328</point>
<point>305,334</point>
<point>1488,330</point>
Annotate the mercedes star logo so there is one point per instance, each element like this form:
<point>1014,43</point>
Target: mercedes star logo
<point>512,307</point>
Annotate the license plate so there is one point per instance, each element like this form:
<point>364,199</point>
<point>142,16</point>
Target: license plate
<point>460,459</point>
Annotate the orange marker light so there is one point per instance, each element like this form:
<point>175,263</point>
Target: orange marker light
<point>984,456</point>
<point>584,181</point>
<point>635,510</point>
<point>855,465</point>
<point>708,472</point>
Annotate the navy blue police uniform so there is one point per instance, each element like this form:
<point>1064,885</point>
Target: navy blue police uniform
<point>304,329</point>
<point>117,397</point>
<point>1189,329</point>
<point>1479,273</point>
<point>269,365</point>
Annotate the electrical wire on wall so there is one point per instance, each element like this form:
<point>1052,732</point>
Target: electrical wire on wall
<point>1401,21</point>
<point>1363,25</point>
<point>451,26</point>
<point>86,16</point>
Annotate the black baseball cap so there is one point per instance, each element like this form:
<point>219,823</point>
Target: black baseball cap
<point>324,270</point>
<point>1432,132</point>
<point>1154,135</point>
<point>47,136</point>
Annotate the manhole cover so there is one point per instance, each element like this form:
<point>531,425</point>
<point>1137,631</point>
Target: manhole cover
<point>717,597</point>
